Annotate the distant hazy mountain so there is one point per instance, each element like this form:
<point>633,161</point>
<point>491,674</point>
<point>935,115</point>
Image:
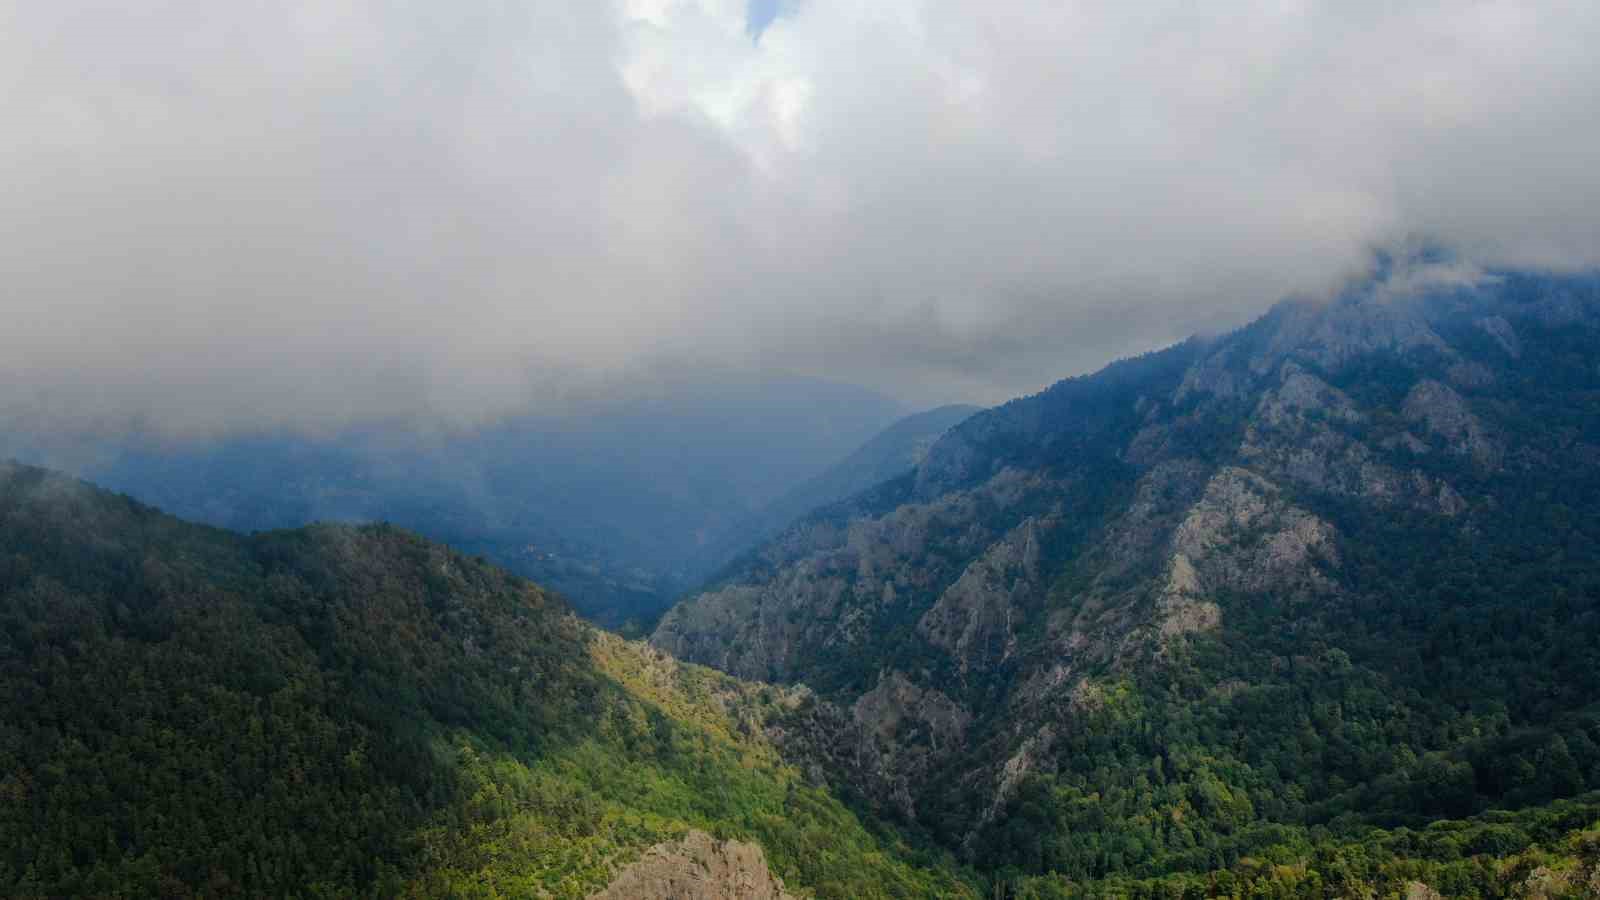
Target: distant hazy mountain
<point>1339,569</point>
<point>893,452</point>
<point>611,505</point>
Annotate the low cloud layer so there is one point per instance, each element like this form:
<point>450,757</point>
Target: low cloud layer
<point>219,215</point>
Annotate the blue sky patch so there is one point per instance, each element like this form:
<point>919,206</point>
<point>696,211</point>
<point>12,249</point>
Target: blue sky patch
<point>759,14</point>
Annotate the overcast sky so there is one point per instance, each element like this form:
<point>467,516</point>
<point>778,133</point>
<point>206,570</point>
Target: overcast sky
<point>219,213</point>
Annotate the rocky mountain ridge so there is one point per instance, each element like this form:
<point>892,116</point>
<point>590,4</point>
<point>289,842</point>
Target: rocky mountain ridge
<point>964,624</point>
<point>1176,629</point>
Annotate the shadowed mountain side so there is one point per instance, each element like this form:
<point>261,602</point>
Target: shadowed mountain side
<point>891,453</point>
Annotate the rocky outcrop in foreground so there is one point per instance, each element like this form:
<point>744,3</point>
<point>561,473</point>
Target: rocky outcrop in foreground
<point>697,867</point>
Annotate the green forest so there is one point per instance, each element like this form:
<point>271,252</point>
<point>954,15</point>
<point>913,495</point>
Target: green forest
<point>1456,672</point>
<point>355,711</point>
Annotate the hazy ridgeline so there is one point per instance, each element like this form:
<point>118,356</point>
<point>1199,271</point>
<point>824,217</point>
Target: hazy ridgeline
<point>618,505</point>
<point>1308,610</point>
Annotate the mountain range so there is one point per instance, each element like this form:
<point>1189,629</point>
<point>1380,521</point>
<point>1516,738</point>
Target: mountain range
<point>1309,609</point>
<point>354,711</point>
<point>1338,570</point>
<point>619,504</point>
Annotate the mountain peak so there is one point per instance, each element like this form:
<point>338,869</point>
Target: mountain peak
<point>1181,528</point>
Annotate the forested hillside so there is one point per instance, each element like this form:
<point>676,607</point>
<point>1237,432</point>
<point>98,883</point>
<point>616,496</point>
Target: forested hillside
<point>343,711</point>
<point>1309,610</point>
<point>1233,605</point>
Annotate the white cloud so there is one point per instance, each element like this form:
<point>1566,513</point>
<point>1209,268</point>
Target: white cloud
<point>228,213</point>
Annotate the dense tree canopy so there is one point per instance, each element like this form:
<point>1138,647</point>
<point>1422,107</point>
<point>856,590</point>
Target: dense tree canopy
<point>338,710</point>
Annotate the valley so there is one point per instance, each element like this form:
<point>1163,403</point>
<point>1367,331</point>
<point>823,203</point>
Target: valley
<point>618,503</point>
<point>1306,610</point>
<point>791,450</point>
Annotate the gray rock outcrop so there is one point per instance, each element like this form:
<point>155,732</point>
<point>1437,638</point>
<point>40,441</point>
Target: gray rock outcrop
<point>697,867</point>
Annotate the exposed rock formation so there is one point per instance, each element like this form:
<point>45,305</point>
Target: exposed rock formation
<point>1243,536</point>
<point>973,617</point>
<point>697,867</point>
<point>1444,413</point>
<point>1305,432</point>
<point>960,622</point>
<point>1416,890</point>
<point>830,582</point>
<point>897,707</point>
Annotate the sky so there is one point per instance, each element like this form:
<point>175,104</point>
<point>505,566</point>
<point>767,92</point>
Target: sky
<point>758,14</point>
<point>230,215</point>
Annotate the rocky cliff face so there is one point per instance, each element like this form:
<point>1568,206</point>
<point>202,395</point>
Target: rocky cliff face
<point>697,867</point>
<point>830,583</point>
<point>959,620</point>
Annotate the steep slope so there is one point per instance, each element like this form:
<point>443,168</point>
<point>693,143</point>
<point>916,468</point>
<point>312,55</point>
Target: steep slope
<point>608,503</point>
<point>892,452</point>
<point>1340,568</point>
<point>344,711</point>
